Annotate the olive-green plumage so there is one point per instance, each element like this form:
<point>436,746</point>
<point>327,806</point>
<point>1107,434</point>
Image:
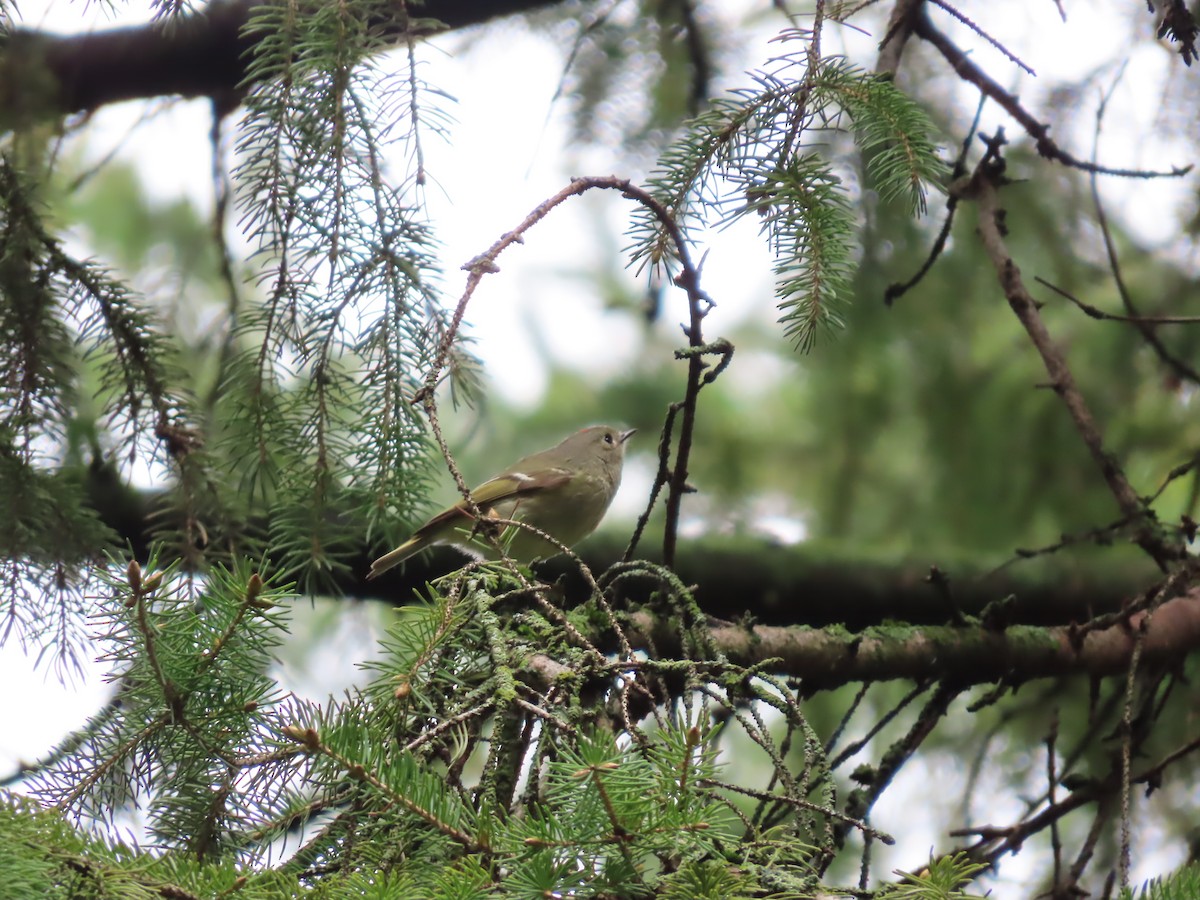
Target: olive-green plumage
<point>564,491</point>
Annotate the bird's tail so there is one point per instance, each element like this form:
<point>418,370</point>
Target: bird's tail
<point>411,547</point>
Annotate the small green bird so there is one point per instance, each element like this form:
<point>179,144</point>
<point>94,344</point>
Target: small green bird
<point>564,491</point>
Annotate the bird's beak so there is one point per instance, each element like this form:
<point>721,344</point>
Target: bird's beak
<point>626,435</point>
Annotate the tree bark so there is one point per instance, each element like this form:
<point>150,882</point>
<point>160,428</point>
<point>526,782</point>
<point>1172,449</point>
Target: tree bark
<point>737,577</point>
<point>201,54</point>
<point>829,658</point>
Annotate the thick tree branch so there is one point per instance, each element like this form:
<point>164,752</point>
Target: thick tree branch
<point>812,583</point>
<point>899,29</point>
<point>828,658</point>
<point>204,54</point>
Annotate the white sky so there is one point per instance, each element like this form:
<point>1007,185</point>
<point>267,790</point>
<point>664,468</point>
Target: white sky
<point>483,186</point>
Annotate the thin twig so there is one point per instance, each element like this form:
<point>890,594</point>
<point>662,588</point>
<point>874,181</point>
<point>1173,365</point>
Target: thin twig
<point>221,196</point>
<point>699,304</point>
<point>850,750</point>
<point>983,186</point>
<point>1051,793</point>
<point>1013,836</point>
<point>962,17</point>
<point>664,474</point>
<point>1040,132</point>
<point>1088,848</point>
<point>1182,369</point>
<point>1127,750</point>
<point>860,801</point>
<point>661,477</point>
<point>414,106</point>
<point>897,290</point>
<point>800,804</point>
<point>1101,535</point>
<point>1099,314</point>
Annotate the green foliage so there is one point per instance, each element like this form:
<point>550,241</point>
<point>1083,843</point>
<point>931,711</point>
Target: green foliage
<point>57,314</point>
<point>1183,884</point>
<point>192,665</point>
<point>707,880</point>
<point>60,316</point>
<point>941,880</point>
<point>750,153</point>
<point>46,856</point>
<point>275,419</point>
<point>627,812</point>
<point>352,304</point>
<point>459,771</point>
<point>37,372</point>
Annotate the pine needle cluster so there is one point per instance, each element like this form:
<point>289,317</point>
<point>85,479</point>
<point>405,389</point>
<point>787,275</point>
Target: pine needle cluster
<point>771,150</point>
<point>495,752</point>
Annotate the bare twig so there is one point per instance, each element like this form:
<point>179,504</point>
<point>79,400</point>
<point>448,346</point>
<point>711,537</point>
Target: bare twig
<point>221,196</point>
<point>1051,792</point>
<point>1182,369</point>
<point>851,749</point>
<point>1040,132</point>
<point>661,477</point>
<point>688,278</point>
<point>1088,848</point>
<point>800,804</point>
<point>1128,748</point>
<point>962,17</point>
<point>999,840</point>
<point>983,186</point>
<point>414,105</point>
<point>1101,535</point>
<point>664,475</point>
<point>861,800</point>
<point>897,290</point>
<point>1099,314</point>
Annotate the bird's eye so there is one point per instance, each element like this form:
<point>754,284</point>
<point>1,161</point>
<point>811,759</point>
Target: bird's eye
<point>608,438</point>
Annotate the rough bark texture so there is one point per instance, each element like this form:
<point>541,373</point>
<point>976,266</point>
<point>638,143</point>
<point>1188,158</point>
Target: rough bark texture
<point>811,583</point>
<point>202,54</point>
<point>828,658</point>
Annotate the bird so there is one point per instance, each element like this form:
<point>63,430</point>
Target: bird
<point>564,491</point>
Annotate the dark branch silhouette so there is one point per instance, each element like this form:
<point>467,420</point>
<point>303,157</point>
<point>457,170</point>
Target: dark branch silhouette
<point>201,54</point>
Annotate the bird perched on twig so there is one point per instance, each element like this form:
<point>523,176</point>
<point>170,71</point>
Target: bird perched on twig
<point>564,491</point>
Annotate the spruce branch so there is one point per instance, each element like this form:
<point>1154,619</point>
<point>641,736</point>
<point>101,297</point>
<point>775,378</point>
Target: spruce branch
<point>750,154</point>
<point>66,321</point>
<point>1144,325</point>
<point>359,772</point>
<point>336,239</point>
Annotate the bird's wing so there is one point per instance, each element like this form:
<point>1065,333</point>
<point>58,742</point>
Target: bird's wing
<point>497,490</point>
